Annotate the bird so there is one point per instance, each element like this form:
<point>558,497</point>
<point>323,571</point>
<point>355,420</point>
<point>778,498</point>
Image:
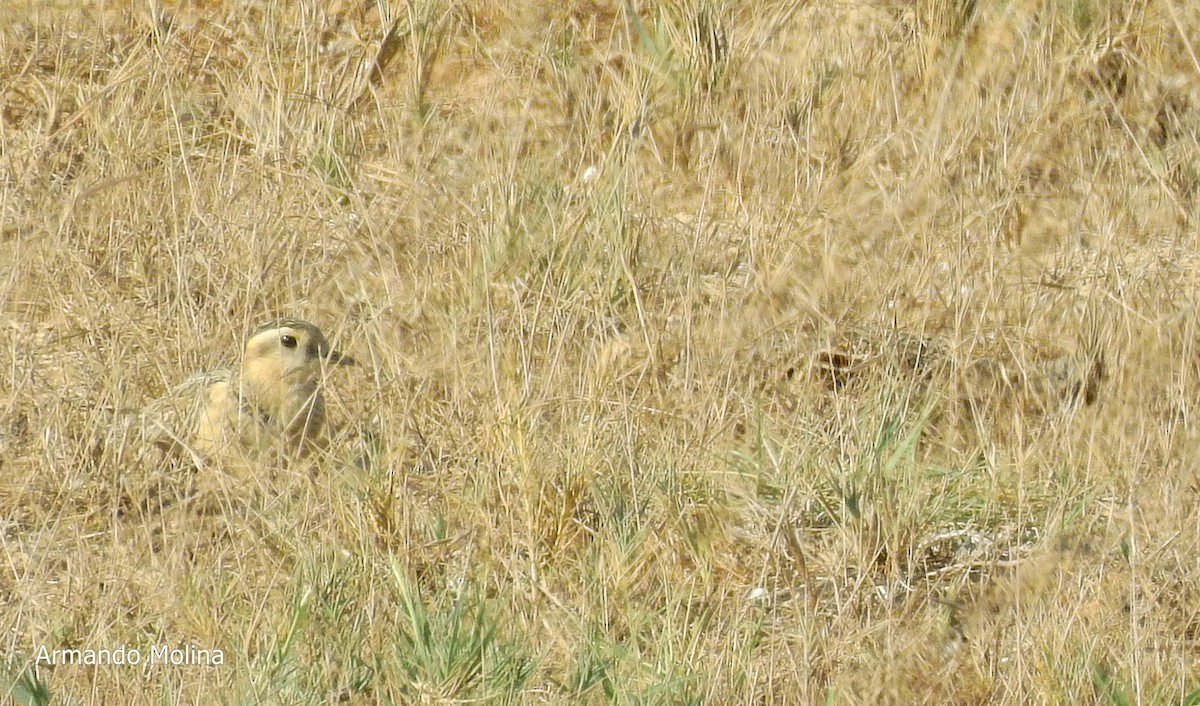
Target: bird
<point>272,403</point>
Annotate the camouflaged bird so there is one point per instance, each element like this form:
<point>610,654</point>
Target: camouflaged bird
<point>273,403</point>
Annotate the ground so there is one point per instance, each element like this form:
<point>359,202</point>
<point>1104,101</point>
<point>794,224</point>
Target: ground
<point>709,352</point>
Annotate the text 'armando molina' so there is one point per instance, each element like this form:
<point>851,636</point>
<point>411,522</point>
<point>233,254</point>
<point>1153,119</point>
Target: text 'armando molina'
<point>153,656</point>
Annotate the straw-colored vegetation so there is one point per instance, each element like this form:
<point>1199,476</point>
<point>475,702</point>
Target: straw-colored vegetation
<point>710,352</point>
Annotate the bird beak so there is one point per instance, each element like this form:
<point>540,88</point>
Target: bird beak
<point>339,358</point>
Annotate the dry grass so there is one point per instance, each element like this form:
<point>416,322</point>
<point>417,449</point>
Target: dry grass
<point>726,353</point>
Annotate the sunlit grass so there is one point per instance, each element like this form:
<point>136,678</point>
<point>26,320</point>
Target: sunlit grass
<point>710,352</point>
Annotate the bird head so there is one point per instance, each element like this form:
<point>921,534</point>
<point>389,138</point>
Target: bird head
<point>288,353</point>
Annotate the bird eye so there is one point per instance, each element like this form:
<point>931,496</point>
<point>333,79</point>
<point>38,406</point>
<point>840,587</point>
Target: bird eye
<point>288,341</point>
